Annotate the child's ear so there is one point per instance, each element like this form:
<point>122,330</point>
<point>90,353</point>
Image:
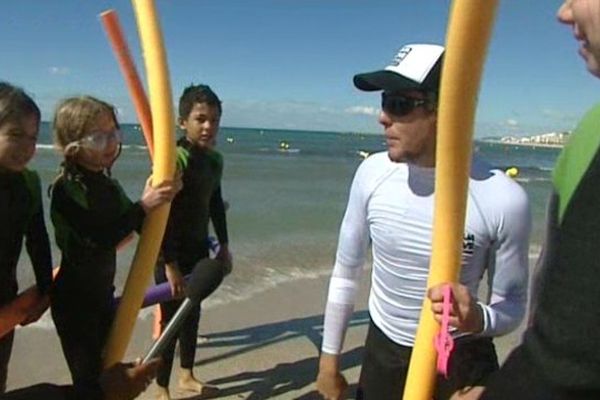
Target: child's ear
<point>181,123</point>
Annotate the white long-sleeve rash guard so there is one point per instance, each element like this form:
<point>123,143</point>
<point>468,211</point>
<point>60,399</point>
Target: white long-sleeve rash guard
<point>391,206</point>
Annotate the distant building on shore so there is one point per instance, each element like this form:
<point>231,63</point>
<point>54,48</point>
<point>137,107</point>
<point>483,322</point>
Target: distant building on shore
<point>553,139</point>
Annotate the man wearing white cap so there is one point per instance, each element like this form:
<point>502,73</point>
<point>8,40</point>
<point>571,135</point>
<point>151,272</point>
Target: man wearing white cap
<point>390,206</point>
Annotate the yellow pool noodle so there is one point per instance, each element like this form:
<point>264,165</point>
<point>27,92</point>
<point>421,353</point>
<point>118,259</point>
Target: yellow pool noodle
<point>469,31</point>
<point>153,229</point>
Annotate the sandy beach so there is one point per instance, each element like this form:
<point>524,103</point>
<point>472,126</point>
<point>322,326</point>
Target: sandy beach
<point>265,347</point>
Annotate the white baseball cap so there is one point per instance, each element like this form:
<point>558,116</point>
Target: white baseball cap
<point>414,67</point>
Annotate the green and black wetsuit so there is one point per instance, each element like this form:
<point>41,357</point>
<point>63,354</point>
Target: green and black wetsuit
<point>186,238</point>
<point>560,354</point>
<point>200,199</point>
<point>21,216</point>
<point>91,215</point>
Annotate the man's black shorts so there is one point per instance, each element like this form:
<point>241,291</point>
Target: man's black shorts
<point>385,366</point>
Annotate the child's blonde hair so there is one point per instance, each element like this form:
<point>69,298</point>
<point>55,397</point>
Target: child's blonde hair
<point>74,118</point>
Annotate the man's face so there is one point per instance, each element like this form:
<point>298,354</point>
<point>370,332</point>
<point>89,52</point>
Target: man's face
<point>202,125</point>
<point>584,18</point>
<point>409,131</point>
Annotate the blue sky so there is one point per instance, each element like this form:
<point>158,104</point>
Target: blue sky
<point>289,63</point>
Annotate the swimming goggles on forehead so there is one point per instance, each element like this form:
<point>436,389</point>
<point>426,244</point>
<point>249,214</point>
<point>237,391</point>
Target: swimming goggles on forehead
<point>100,140</point>
<point>400,105</point>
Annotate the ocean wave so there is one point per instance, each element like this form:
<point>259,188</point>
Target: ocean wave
<point>533,179</point>
<point>291,151</point>
<point>279,151</point>
<point>526,168</point>
<point>231,292</point>
<point>46,146</point>
<point>228,292</point>
<point>239,290</point>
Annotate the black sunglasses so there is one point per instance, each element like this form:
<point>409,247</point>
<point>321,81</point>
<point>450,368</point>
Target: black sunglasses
<point>400,105</point>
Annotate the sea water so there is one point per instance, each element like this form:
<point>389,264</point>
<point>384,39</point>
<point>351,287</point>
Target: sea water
<point>287,192</point>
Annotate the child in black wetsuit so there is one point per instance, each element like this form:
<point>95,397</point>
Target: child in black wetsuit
<point>91,215</point>
<point>21,212</point>
<point>186,237</point>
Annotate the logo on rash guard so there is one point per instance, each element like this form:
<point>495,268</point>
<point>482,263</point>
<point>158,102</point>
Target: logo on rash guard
<point>468,244</point>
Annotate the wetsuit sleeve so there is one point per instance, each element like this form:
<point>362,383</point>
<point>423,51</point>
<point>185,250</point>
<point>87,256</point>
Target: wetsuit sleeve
<point>90,225</point>
<point>38,248</point>
<point>509,274</point>
<point>137,214</point>
<point>169,243</point>
<point>217,216</point>
<point>126,203</point>
<point>350,258</point>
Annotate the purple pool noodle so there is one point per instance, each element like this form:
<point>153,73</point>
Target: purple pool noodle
<point>162,292</point>
<point>156,294</point>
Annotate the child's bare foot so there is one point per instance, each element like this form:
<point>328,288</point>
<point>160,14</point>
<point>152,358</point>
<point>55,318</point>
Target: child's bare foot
<point>188,382</point>
<point>162,393</point>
